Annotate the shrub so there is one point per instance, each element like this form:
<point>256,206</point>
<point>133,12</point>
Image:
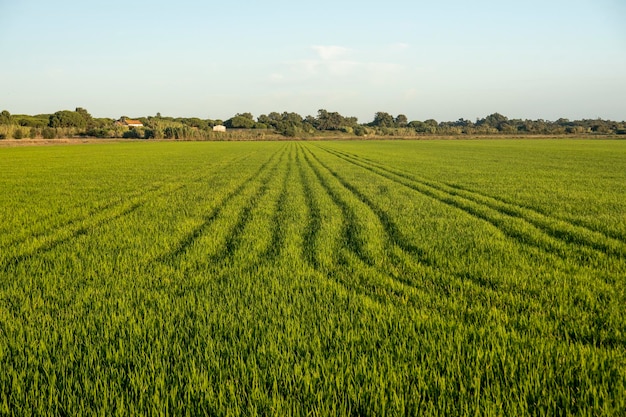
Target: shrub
<point>99,132</point>
<point>18,134</point>
<point>131,134</point>
<point>48,133</point>
<point>289,131</point>
<point>360,131</point>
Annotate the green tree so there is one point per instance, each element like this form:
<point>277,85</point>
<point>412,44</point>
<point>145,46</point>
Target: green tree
<point>5,118</point>
<point>66,118</point>
<point>246,115</point>
<point>265,120</point>
<point>239,122</point>
<point>329,120</point>
<point>495,120</point>
<point>383,119</point>
<point>401,120</point>
<point>31,121</point>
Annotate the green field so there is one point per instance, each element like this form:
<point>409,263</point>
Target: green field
<point>480,277</point>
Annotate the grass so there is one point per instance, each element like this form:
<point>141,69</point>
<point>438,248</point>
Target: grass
<point>327,278</point>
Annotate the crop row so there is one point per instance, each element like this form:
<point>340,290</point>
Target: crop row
<point>297,278</point>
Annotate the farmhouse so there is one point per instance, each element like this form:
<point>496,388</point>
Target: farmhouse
<point>219,128</point>
<point>125,121</point>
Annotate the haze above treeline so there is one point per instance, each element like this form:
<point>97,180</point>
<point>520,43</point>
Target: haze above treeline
<point>67,123</point>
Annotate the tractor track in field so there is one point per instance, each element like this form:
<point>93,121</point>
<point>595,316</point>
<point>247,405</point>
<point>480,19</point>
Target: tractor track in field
<point>547,237</point>
<point>350,230</point>
<point>190,238</point>
<point>515,209</point>
<point>314,225</point>
<point>395,286</point>
<point>82,226</point>
<point>234,238</point>
<point>550,224</point>
<point>411,256</point>
<point>277,242</point>
<point>520,210</point>
<point>110,211</point>
<point>313,230</point>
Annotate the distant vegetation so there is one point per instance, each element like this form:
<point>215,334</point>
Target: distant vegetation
<point>79,123</point>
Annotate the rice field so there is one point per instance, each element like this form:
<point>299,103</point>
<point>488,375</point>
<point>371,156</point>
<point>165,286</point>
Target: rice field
<point>314,278</point>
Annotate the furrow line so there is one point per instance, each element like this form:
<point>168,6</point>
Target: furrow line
<point>392,230</point>
<point>525,210</point>
<point>411,256</point>
<point>403,260</point>
<point>209,218</point>
<point>156,190</point>
<point>279,219</point>
<point>349,233</point>
<point>528,233</point>
<point>79,228</point>
<point>66,236</point>
<point>233,240</point>
<point>565,231</point>
<point>346,257</point>
<point>315,217</point>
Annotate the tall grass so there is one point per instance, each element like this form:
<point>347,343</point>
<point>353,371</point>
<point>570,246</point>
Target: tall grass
<point>329,278</point>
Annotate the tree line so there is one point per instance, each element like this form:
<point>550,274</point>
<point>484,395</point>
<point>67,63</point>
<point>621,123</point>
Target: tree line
<point>66,123</point>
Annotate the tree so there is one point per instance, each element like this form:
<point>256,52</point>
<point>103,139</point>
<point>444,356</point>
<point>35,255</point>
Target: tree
<point>89,122</point>
<point>246,115</point>
<point>495,120</point>
<point>5,118</point>
<point>239,122</point>
<point>383,119</point>
<point>265,120</point>
<point>292,118</point>
<point>401,120</point>
<point>331,120</point>
<point>66,118</point>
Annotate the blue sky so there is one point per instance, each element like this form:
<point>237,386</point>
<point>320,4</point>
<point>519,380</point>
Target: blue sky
<point>443,59</point>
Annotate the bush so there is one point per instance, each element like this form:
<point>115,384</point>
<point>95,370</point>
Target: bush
<point>131,134</point>
<point>18,134</point>
<point>173,133</point>
<point>99,132</point>
<point>289,131</point>
<point>32,133</point>
<point>360,131</point>
<point>48,133</point>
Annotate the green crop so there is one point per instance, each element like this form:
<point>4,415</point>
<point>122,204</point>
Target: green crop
<point>327,278</point>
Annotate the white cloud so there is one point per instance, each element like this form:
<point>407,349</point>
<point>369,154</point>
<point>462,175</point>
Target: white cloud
<point>277,77</point>
<point>410,94</point>
<point>330,52</point>
<point>343,68</point>
<point>399,47</point>
<point>332,63</point>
